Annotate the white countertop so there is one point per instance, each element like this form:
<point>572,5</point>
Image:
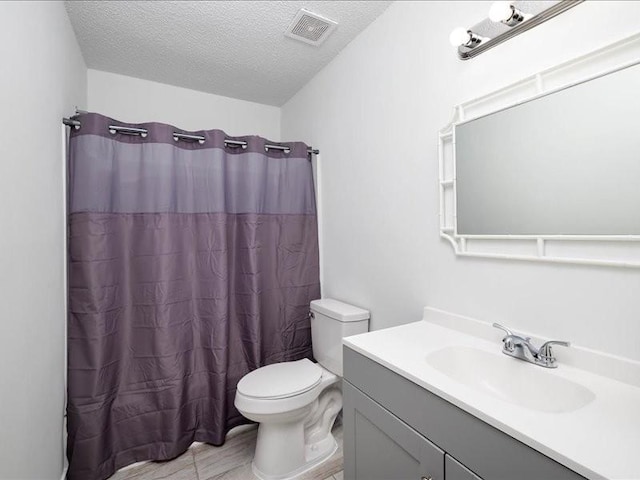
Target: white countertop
<point>599,441</point>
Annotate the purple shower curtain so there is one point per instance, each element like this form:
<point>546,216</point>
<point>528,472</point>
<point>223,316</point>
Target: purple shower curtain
<point>189,265</point>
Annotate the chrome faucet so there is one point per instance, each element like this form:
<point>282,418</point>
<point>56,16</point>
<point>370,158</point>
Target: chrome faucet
<point>520,347</point>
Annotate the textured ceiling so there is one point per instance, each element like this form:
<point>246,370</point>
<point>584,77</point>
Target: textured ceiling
<point>232,48</point>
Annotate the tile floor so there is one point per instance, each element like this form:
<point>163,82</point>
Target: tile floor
<point>231,461</point>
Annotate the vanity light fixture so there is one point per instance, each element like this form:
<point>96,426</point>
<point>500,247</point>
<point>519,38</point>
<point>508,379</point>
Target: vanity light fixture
<point>506,20</point>
<point>505,12</point>
<point>462,37</point>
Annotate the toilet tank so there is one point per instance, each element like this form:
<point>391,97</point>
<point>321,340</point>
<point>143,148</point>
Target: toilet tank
<point>331,321</point>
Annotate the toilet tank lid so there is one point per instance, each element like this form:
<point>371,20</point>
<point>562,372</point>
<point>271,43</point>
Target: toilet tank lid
<point>339,310</point>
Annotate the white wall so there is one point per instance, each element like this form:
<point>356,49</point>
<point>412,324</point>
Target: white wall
<point>134,100</point>
<point>43,77</point>
<point>374,113</point>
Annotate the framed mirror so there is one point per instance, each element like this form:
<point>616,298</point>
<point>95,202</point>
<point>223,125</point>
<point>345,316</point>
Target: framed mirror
<point>549,168</point>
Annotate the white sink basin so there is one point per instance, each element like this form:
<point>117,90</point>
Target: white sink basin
<point>510,379</point>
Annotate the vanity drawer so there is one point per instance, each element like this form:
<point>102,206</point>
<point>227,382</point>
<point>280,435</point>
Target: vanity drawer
<point>490,453</point>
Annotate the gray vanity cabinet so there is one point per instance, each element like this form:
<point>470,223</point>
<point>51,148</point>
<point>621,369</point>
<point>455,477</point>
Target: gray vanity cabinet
<point>396,430</point>
<point>387,448</point>
<point>456,471</point>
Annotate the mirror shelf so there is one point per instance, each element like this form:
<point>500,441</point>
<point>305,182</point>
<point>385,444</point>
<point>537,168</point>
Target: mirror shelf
<point>604,250</point>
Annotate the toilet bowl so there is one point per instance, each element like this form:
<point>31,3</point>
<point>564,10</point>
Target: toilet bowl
<point>296,403</point>
<point>295,417</point>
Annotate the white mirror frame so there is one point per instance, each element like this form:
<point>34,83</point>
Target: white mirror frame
<point>605,250</point>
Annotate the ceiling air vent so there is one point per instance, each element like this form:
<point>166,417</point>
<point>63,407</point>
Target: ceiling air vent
<point>309,27</point>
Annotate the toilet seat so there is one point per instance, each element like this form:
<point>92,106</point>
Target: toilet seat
<point>281,380</point>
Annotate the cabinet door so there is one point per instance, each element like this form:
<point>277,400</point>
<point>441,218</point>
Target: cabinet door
<point>379,446</point>
<point>454,470</point>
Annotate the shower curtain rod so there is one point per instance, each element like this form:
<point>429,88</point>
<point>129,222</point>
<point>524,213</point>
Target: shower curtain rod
<point>71,122</point>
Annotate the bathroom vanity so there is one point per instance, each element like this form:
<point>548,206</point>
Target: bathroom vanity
<point>410,414</point>
<point>398,430</point>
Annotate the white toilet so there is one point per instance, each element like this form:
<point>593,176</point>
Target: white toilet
<point>297,402</point>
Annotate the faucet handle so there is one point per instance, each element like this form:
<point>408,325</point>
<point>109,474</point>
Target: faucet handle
<point>507,340</point>
<point>545,350</point>
<point>545,354</point>
<point>503,328</point>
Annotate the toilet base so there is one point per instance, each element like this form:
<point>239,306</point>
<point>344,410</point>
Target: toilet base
<point>315,455</point>
<point>294,435</point>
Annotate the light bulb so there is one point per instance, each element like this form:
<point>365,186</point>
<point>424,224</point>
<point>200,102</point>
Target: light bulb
<point>459,36</point>
<point>501,12</point>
